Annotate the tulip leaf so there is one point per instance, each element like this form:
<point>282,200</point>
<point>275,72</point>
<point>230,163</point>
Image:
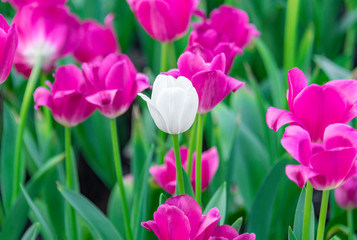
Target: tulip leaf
<point>332,70</point>
<point>262,208</point>
<point>238,224</point>
<point>291,234</point>
<point>299,217</point>
<point>98,223</point>
<point>32,232</point>
<point>219,200</point>
<point>163,199</point>
<point>46,230</point>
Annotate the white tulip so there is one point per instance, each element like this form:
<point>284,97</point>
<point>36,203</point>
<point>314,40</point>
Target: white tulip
<point>173,104</point>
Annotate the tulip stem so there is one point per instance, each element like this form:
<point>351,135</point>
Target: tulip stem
<point>323,213</point>
<point>191,148</point>
<point>307,212</point>
<point>199,135</point>
<point>69,182</point>
<point>163,63</point>
<point>119,175</point>
<point>19,166</point>
<point>172,55</point>
<point>350,224</point>
<point>179,176</point>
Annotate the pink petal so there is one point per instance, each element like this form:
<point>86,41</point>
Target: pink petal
<point>142,82</point>
<point>189,64</point>
<point>41,97</point>
<point>297,142</point>
<point>219,63</point>
<point>340,135</point>
<point>208,224</point>
<point>68,77</point>
<point>346,195</point>
<point>246,236</point>
<point>276,118</point>
<point>103,98</point>
<point>230,50</point>
<point>297,82</point>
<point>7,56</point>
<point>299,174</point>
<point>225,231</point>
<point>210,162</point>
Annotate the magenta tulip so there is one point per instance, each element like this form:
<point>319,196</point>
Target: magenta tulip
<point>114,84</point>
<point>98,41</point>
<point>164,20</point>
<point>315,107</point>
<point>66,98</point>
<point>226,232</point>
<point>227,31</point>
<point>327,164</point>
<point>8,45</point>
<point>209,80</point>
<point>46,32</point>
<point>180,218</point>
<point>17,4</point>
<point>165,175</point>
<point>346,195</point>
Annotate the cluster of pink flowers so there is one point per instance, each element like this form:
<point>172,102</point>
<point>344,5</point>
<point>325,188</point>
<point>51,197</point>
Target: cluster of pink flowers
<point>318,137</point>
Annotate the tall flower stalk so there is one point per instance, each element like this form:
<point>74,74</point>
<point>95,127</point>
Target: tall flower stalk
<point>323,214</point>
<point>198,157</point>
<point>307,212</point>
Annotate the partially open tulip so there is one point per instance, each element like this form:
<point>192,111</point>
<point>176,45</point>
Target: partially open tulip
<point>346,195</point>
<point>226,232</point>
<point>66,98</point>
<point>173,104</point>
<point>46,32</point>
<point>98,41</point>
<point>114,84</point>
<point>326,164</point>
<point>226,31</point>
<point>8,44</point>
<point>20,3</point>
<point>210,81</point>
<point>315,107</point>
<point>181,218</point>
<point>164,20</point>
<point>165,175</point>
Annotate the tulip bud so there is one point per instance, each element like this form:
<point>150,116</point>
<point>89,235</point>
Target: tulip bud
<point>173,104</point>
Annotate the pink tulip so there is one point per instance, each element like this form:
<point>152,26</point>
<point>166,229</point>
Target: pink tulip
<point>66,98</point>
<point>315,107</point>
<point>346,195</point>
<point>180,218</point>
<point>164,20</point>
<point>45,31</point>
<point>8,45</point>
<point>115,84</point>
<point>226,232</point>
<point>209,80</point>
<point>165,175</point>
<point>98,41</point>
<point>17,4</point>
<point>326,164</point>
<point>227,31</point>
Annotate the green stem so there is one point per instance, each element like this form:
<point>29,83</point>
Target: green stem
<point>323,214</point>
<point>172,55</point>
<point>18,165</point>
<point>179,176</point>
<point>349,47</point>
<point>191,148</point>
<point>307,212</point>
<point>46,112</point>
<point>69,182</point>
<point>199,136</point>
<point>163,63</point>
<point>119,175</point>
<point>290,36</point>
<point>351,231</point>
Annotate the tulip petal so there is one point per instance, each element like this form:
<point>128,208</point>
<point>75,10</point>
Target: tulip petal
<point>340,135</point>
<point>42,98</point>
<point>245,236</point>
<point>161,82</point>
<point>297,142</point>
<point>276,118</point>
<point>299,174</point>
<point>225,231</point>
<point>297,82</point>
<point>102,98</point>
<point>189,64</point>
<point>68,77</point>
<point>142,82</point>
<point>7,55</point>
<point>208,224</point>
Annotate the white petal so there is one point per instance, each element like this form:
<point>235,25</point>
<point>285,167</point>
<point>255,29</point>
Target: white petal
<point>183,83</point>
<point>190,103</point>
<point>161,82</point>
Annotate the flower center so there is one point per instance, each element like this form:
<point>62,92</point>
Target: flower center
<point>40,48</point>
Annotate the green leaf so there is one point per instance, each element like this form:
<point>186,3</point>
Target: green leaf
<point>299,217</point>
<point>291,234</point>
<point>332,70</point>
<point>238,224</point>
<point>219,200</point>
<point>98,223</point>
<point>32,232</point>
<point>46,230</point>
<point>262,209</point>
<point>163,199</point>
<point>335,238</point>
<point>306,49</point>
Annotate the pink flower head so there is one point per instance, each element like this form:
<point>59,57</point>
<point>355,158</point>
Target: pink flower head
<point>209,80</point>
<point>66,98</point>
<point>164,20</point>
<point>98,41</point>
<point>46,32</point>
<point>346,195</point>
<point>315,107</point>
<point>8,45</point>
<point>180,218</point>
<point>227,31</point>
<point>326,165</point>
<point>17,4</point>
<point>165,175</point>
<point>226,232</point>
<point>115,84</point>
